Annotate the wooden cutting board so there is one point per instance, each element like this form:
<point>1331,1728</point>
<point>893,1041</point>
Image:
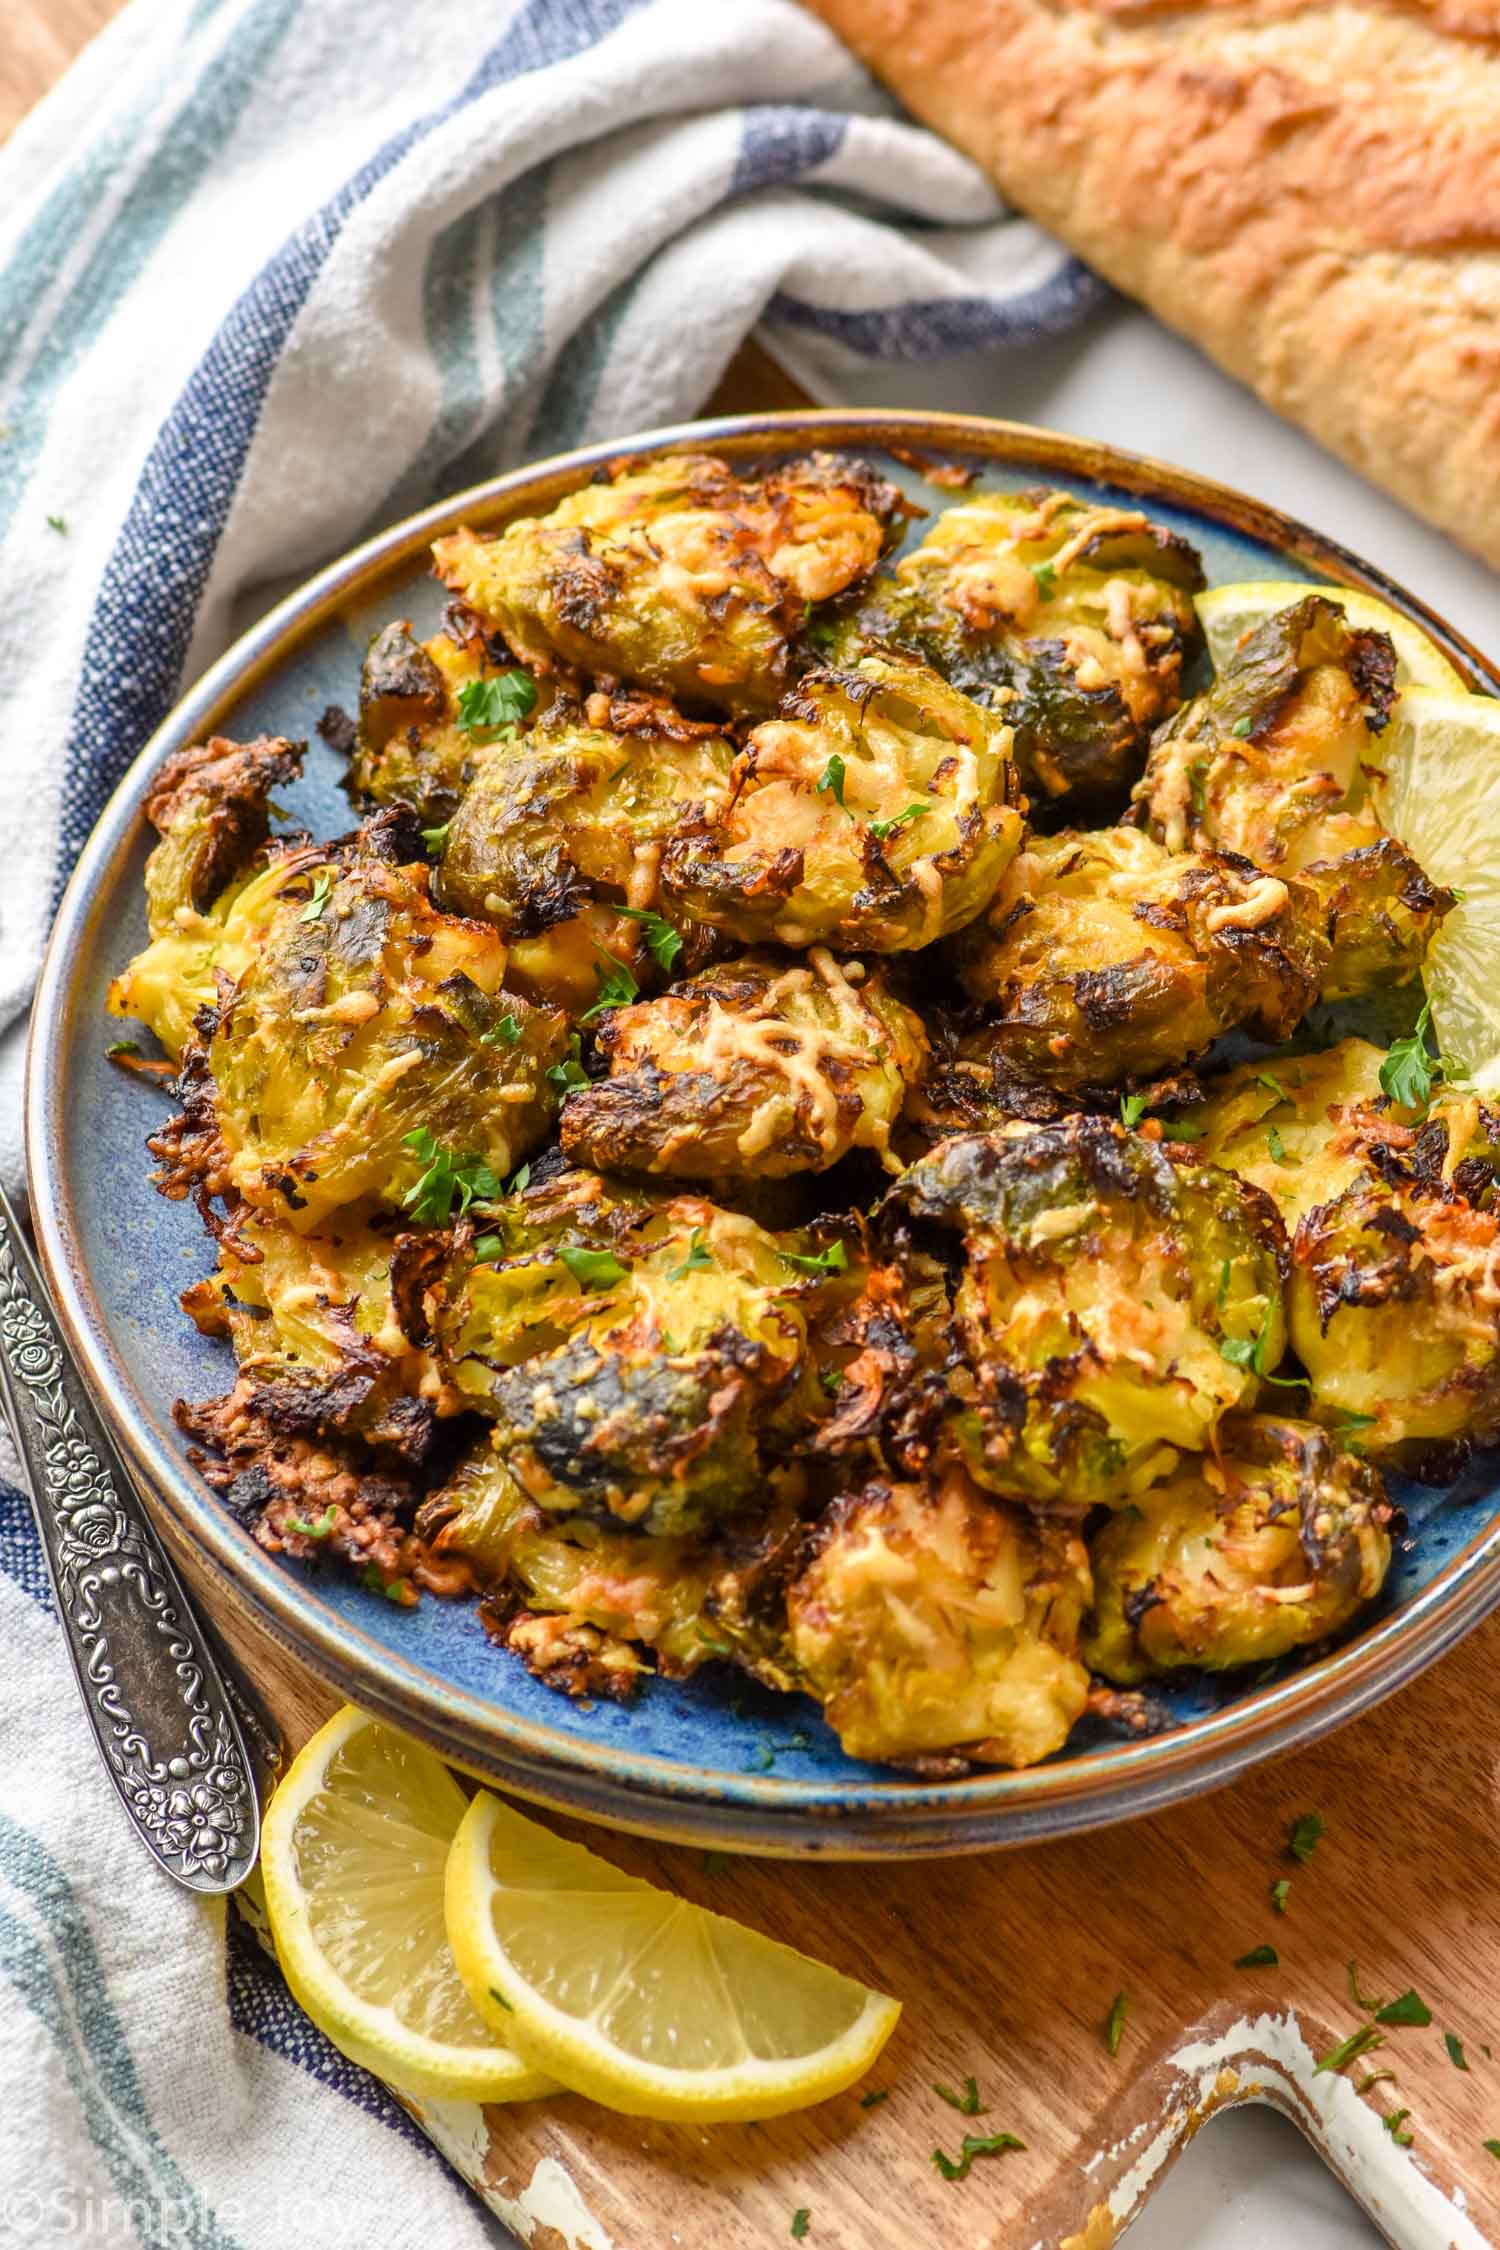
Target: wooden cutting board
<point>1008,1964</point>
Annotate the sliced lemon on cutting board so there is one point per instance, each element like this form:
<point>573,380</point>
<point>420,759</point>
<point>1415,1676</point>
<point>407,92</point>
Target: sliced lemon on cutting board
<point>353,1854</point>
<point>1439,791</point>
<point>1227,613</point>
<point>646,2003</point>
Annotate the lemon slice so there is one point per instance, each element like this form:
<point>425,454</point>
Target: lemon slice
<point>639,1999</point>
<point>353,1853</point>
<point>1227,613</point>
<point>1439,791</point>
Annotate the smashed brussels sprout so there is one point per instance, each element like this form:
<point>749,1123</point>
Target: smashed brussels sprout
<point>1107,958</point>
<point>1112,1302</point>
<point>1274,763</point>
<point>430,713</point>
<point>679,573</point>
<point>932,1619</point>
<point>1072,619</point>
<point>878,812</point>
<point>771,1064</point>
<point>1267,1545</point>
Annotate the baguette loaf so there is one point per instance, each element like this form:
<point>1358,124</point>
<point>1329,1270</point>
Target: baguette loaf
<point>1311,192</point>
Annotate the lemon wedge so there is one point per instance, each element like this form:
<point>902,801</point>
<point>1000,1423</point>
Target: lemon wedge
<point>1439,791</point>
<point>1227,613</point>
<point>353,1853</point>
<point>644,2002</point>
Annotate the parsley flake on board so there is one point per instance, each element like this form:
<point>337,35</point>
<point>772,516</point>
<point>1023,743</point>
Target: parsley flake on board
<point>1305,1834</point>
<point>882,829</point>
<point>322,892</point>
<point>1259,1957</point>
<point>1279,1894</point>
<point>663,943</point>
<point>1396,2126</point>
<point>1409,2008</point>
<point>1455,2047</point>
<point>967,2103</point>
<point>1358,2043</point>
<point>801,2220</point>
<point>617,987</point>
<point>447,1179</point>
<point>698,1257</point>
<point>1361,1999</point>
<point>592,1269</point>
<point>874,2100</point>
<point>716,1863</point>
<point>1492,2146</point>
<point>974,2144</point>
<point>58,523</point>
<point>1114,2022</point>
<point>835,1259</point>
<point>485,705</point>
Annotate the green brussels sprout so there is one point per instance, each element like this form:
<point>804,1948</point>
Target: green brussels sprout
<point>1274,763</point>
<point>877,813</point>
<point>932,1619</point>
<point>1394,1310</point>
<point>1268,1545</point>
<point>1072,619</point>
<point>319,1328</point>
<point>367,1049</point>
<point>1114,1300</point>
<point>211,807</point>
<point>635,1353</point>
<point>1109,958</point>
<point>768,1065</point>
<point>678,573</point>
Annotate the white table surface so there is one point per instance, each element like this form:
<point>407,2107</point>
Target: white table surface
<point>1250,2180</point>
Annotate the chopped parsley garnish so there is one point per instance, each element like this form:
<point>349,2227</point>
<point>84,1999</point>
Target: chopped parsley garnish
<point>592,1269</point>
<point>448,1179</point>
<point>401,1591</point>
<point>698,1257</point>
<point>1361,1999</point>
<point>881,829</point>
<point>801,2220</point>
<point>832,782</point>
<point>1198,786</point>
<point>488,1248</point>
<point>1373,2078</point>
<point>1455,2047</point>
<point>617,987</point>
<point>318,1530</point>
<point>486,705</point>
<point>1409,2008</point>
<point>1349,1420</point>
<point>1046,579</point>
<point>568,1073</point>
<point>1358,2043</point>
<point>821,634</point>
<point>967,2103</point>
<point>507,1033</point>
<point>1492,2146</point>
<point>1410,1072</point>
<point>761,1758</point>
<point>834,1259</point>
<point>663,943</point>
<point>1114,2022</point>
<point>1395,2125</point>
<point>1276,1145</point>
<point>1242,726</point>
<point>1279,1893</point>
<point>974,2144</point>
<point>1305,1834</point>
<point>519,1181</point>
<point>123,1047</point>
<point>1273,1086</point>
<point>716,1863</point>
<point>436,839</point>
<point>1133,1108</point>
<point>1259,1957</point>
<point>874,2100</point>
<point>322,892</point>
<point>58,523</point>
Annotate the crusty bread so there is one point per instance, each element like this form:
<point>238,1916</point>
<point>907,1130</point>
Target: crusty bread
<point>1311,192</point>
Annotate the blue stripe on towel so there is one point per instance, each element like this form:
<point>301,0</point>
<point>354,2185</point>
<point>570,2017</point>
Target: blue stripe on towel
<point>953,324</point>
<point>780,141</point>
<point>142,621</point>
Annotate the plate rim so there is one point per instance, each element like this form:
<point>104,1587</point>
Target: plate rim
<point>772,1813</point>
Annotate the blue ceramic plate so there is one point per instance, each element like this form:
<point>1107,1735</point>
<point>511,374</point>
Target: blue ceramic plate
<point>712,1760</point>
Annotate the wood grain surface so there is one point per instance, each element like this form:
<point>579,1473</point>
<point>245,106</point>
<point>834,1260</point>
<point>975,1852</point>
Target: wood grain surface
<point>1008,1964</point>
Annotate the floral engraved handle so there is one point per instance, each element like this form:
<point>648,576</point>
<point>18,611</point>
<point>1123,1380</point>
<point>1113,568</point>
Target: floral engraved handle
<point>152,1689</point>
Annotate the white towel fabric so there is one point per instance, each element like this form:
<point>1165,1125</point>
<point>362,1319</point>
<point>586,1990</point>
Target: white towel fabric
<point>273,273</point>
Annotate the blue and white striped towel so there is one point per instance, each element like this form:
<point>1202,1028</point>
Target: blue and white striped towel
<point>273,272</point>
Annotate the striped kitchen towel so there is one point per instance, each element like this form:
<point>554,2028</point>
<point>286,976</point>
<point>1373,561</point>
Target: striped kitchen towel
<point>272,273</point>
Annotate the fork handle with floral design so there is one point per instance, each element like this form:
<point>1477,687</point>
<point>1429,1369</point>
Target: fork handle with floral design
<point>153,1692</point>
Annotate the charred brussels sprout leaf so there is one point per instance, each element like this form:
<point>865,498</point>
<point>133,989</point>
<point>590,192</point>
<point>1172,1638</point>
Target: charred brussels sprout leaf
<point>678,574</point>
<point>793,857</point>
<point>423,730</point>
<point>1271,1544</point>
